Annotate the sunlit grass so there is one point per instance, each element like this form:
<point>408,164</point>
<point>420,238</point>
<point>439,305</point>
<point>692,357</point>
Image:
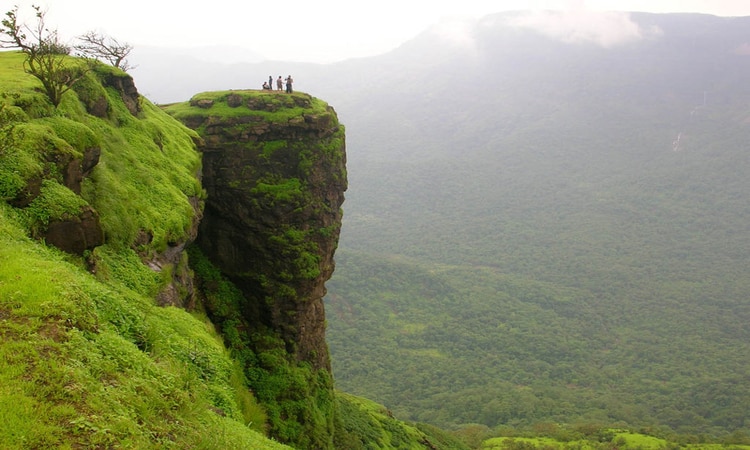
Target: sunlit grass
<point>277,107</point>
<point>147,175</point>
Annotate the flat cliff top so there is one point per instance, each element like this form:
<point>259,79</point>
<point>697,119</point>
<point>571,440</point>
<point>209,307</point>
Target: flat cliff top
<point>272,105</point>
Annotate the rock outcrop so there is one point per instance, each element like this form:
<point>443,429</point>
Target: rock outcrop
<point>274,172</point>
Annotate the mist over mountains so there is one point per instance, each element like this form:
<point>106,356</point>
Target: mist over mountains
<point>547,218</point>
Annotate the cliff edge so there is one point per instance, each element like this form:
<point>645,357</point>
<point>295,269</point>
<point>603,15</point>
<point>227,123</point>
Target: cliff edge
<point>274,172</point>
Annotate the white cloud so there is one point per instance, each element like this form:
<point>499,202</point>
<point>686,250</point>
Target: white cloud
<point>606,29</point>
<point>457,32</point>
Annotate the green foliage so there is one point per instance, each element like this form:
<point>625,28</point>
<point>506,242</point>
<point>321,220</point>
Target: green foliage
<point>296,244</point>
<point>298,400</point>
<point>148,167</point>
<point>17,163</point>
<point>146,178</point>
<point>90,91</point>
<point>603,439</point>
<point>287,191</point>
<point>269,147</point>
<point>507,350</point>
<point>92,364</point>
<point>33,149</point>
<point>55,202</point>
<point>18,90</point>
<point>365,425</point>
<point>76,136</point>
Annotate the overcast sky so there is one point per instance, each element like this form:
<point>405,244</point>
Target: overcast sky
<point>308,30</point>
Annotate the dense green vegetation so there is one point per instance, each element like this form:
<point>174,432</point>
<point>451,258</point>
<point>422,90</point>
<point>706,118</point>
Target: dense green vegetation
<point>95,364</point>
<point>539,249</point>
<point>365,425</point>
<point>507,350</point>
<point>298,399</point>
<point>594,439</point>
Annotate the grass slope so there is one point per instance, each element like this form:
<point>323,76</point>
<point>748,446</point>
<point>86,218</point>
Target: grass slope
<point>86,363</point>
<point>89,360</point>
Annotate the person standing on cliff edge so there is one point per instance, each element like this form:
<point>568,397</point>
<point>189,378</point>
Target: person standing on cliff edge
<point>279,83</point>
<point>289,84</point>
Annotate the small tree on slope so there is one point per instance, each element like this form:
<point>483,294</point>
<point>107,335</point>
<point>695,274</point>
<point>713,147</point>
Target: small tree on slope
<point>45,54</point>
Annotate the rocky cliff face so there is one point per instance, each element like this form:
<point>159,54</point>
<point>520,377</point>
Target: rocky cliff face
<point>274,172</point>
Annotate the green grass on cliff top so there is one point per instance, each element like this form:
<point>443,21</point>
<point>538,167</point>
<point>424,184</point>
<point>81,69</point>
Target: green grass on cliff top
<point>89,361</point>
<point>272,106</point>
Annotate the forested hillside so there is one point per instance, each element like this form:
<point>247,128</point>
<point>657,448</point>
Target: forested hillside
<point>541,230</point>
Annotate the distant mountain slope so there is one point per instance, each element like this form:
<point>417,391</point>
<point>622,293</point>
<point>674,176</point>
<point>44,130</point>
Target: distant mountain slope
<point>614,176</point>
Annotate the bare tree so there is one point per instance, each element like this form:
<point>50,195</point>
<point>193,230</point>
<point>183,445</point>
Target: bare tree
<point>107,48</point>
<point>45,53</point>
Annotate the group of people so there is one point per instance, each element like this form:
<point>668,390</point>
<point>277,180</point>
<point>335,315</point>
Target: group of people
<point>268,85</point>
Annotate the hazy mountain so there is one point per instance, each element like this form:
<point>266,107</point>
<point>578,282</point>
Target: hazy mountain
<point>166,74</point>
<point>560,226</point>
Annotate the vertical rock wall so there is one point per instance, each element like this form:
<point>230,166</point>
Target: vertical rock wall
<point>274,171</point>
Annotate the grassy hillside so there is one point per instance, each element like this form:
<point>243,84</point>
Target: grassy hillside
<point>88,360</point>
<point>364,424</point>
<point>93,363</point>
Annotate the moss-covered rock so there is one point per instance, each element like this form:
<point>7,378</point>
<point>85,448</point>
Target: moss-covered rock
<point>274,172</point>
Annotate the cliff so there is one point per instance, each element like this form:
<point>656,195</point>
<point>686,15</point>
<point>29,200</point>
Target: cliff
<point>274,171</point>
